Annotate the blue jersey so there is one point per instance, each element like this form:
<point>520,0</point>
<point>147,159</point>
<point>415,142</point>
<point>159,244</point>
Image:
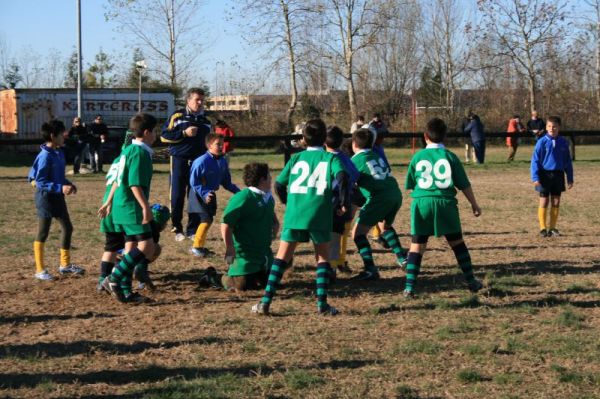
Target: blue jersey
<point>551,154</point>
<point>48,170</point>
<point>208,173</point>
<point>349,167</point>
<point>181,145</point>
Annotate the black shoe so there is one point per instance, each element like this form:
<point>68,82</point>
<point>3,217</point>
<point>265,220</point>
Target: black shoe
<point>144,279</point>
<point>114,289</point>
<point>366,275</point>
<point>381,241</point>
<point>408,294</point>
<point>543,233</point>
<point>210,278</point>
<point>344,268</point>
<point>475,286</point>
<point>134,298</point>
<point>328,310</point>
<point>553,233</point>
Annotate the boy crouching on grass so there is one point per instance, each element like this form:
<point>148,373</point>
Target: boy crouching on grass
<point>131,211</point>
<point>247,227</point>
<point>47,175</point>
<point>433,175</point>
<point>306,185</point>
<point>208,172</point>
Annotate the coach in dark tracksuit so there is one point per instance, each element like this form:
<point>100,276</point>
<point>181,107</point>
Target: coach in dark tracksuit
<point>185,131</point>
<point>475,128</point>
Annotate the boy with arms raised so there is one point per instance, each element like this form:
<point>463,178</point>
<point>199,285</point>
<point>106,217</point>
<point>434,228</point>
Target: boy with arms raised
<point>306,185</point>
<point>208,172</point>
<point>434,174</point>
<point>383,201</point>
<point>131,211</point>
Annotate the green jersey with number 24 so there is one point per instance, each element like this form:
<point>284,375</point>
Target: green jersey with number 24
<point>309,177</point>
<point>435,172</point>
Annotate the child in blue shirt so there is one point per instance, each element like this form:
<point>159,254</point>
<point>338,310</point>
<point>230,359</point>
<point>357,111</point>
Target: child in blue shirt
<point>208,172</point>
<point>550,161</point>
<point>47,175</point>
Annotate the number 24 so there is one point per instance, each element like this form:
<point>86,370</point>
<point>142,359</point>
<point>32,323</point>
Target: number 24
<point>318,178</point>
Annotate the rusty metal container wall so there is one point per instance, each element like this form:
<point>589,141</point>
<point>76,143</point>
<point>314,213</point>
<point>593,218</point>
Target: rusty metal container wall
<point>8,111</point>
<point>36,106</point>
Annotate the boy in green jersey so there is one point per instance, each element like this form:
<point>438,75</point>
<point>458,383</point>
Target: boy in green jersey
<point>433,175</point>
<point>383,201</point>
<point>247,226</point>
<point>131,212</point>
<point>308,185</point>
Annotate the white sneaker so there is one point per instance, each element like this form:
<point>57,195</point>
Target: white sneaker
<point>179,237</point>
<point>71,268</point>
<point>44,275</point>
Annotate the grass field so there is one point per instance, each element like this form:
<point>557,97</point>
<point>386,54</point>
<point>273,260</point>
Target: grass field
<point>531,333</point>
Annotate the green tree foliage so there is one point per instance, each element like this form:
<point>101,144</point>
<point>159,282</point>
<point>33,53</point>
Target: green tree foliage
<point>100,70</point>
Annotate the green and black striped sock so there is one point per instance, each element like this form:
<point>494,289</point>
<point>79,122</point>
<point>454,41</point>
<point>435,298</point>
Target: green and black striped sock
<point>126,265</point>
<point>275,276</point>
<point>464,261</point>
<point>364,249</point>
<point>322,284</point>
<point>391,237</point>
<point>412,270</point>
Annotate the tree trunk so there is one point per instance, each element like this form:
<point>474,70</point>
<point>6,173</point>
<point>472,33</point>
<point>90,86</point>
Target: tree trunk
<point>598,55</point>
<point>172,42</point>
<point>292,57</point>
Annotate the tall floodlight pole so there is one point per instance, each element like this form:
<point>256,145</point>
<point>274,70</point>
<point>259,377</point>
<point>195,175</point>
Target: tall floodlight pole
<point>140,66</point>
<point>79,69</point>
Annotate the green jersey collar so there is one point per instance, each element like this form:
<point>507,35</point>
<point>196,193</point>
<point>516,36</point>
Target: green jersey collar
<point>144,146</point>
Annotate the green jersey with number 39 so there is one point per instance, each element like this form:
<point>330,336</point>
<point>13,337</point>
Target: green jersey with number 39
<point>435,172</point>
<point>309,177</point>
<point>375,178</point>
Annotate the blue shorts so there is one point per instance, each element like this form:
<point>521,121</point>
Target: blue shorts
<point>50,205</point>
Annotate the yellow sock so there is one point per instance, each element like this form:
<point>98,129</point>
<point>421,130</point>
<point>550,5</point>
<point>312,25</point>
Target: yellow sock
<point>344,244</point>
<point>553,216</point>
<point>375,232</point>
<point>542,217</point>
<point>65,257</point>
<point>200,237</point>
<point>38,254</point>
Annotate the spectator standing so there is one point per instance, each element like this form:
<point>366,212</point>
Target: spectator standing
<point>469,149</point>
<point>536,126</point>
<point>185,131</point>
<point>75,143</point>
<point>98,135</point>
<point>360,121</point>
<point>475,129</point>
<point>223,129</point>
<point>514,127</point>
<point>377,126</point>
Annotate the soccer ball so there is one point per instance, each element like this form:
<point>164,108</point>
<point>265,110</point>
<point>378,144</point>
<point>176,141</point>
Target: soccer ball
<point>161,215</point>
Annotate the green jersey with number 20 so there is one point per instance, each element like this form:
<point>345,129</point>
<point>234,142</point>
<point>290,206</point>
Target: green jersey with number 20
<point>435,172</point>
<point>375,179</point>
<point>309,177</point>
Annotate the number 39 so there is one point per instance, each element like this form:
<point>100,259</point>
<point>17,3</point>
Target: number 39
<point>442,174</point>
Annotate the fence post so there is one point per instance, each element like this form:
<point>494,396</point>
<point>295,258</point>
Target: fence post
<point>572,137</point>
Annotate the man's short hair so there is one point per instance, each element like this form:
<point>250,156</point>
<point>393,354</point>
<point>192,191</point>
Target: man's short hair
<point>211,137</point>
<point>194,90</point>
<point>555,119</point>
<point>314,132</point>
<point>436,130</point>
<point>254,172</point>
<point>139,123</point>
<point>363,138</point>
<point>335,136</point>
<point>52,128</point>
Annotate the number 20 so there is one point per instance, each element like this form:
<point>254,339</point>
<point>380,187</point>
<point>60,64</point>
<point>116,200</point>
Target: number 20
<point>318,178</point>
<point>442,179</point>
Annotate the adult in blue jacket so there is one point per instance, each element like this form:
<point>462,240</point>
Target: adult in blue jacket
<point>185,131</point>
<point>474,128</point>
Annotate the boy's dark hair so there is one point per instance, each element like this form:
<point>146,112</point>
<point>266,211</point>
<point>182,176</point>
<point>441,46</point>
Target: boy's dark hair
<point>52,128</point>
<point>554,119</point>
<point>436,130</point>
<point>360,118</point>
<point>335,136</point>
<point>139,123</point>
<point>363,138</point>
<point>212,137</point>
<point>314,133</point>
<point>346,147</point>
<point>194,90</point>
<point>254,172</point>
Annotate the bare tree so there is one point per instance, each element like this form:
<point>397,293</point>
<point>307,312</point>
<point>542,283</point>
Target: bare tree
<point>522,29</point>
<point>164,29</point>
<point>592,20</point>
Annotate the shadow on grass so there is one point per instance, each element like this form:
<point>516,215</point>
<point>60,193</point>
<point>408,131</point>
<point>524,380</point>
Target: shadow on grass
<point>157,373</point>
<point>61,349</point>
<point>51,317</point>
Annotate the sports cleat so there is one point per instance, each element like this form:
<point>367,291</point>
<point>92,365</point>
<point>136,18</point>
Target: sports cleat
<point>99,287</point>
<point>344,268</point>
<point>544,233</point>
<point>201,252</point>
<point>209,278</point>
<point>328,310</point>
<point>475,286</point>
<point>402,261</point>
<point>143,278</point>
<point>553,233</point>
<point>114,289</point>
<point>260,308</point>
<point>71,268</point>
<point>135,298</point>
<point>381,241</point>
<point>408,294</point>
<point>179,237</point>
<point>366,275</point>
<point>44,276</point>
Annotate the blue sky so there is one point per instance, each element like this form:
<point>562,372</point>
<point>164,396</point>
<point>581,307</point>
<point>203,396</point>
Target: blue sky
<point>52,24</point>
